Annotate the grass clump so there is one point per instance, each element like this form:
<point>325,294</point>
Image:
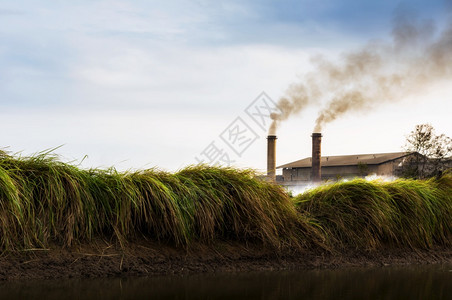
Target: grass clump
<point>349,213</point>
<point>368,215</point>
<point>44,200</point>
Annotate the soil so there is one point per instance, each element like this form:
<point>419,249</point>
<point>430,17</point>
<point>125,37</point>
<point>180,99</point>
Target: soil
<point>144,258</point>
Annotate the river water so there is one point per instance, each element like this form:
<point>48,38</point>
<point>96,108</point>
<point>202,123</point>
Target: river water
<point>412,282</point>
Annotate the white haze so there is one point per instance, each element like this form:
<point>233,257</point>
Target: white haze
<point>302,188</point>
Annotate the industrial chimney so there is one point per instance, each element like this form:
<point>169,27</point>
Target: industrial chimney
<point>316,174</point>
<point>271,157</point>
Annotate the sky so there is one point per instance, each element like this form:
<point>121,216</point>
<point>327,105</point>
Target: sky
<point>140,84</point>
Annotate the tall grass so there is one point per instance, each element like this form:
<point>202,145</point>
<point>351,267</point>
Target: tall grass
<point>43,201</point>
<point>368,215</point>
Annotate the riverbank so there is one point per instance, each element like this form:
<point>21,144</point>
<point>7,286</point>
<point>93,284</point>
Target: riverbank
<point>144,258</point>
<point>57,220</point>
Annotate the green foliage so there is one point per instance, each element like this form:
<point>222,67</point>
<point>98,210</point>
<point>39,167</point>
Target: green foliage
<point>369,215</point>
<point>43,200</point>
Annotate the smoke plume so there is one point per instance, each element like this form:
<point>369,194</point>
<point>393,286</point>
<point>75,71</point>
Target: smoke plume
<point>296,99</point>
<point>417,57</point>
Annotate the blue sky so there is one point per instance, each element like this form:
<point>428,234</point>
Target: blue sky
<point>150,83</point>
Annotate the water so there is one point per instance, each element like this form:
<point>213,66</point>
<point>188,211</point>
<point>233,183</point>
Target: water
<point>419,282</point>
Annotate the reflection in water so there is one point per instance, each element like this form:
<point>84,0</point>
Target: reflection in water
<point>419,282</point>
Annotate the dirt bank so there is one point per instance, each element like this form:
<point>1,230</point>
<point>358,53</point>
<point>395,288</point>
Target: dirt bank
<point>142,258</point>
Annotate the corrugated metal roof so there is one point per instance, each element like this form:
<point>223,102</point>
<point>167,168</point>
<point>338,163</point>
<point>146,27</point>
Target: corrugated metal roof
<point>346,160</point>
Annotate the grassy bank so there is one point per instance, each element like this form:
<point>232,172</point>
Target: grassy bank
<point>43,200</point>
<point>368,215</point>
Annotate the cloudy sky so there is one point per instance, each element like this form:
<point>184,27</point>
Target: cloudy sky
<point>137,84</point>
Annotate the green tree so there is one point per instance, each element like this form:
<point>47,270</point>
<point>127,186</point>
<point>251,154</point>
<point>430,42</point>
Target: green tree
<point>431,152</point>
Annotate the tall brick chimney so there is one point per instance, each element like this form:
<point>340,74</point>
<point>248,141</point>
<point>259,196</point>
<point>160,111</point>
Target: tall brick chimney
<point>316,175</point>
<point>271,157</point>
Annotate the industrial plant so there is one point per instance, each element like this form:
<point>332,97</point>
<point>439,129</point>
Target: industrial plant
<point>330,168</point>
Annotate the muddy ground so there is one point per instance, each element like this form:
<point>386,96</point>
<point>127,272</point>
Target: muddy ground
<point>143,258</point>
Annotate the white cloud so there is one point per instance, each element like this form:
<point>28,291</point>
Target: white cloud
<point>138,84</point>
<point>148,73</point>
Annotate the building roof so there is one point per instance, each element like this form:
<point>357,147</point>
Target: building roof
<point>346,160</point>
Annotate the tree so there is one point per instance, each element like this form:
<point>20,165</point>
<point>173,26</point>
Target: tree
<point>431,152</point>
